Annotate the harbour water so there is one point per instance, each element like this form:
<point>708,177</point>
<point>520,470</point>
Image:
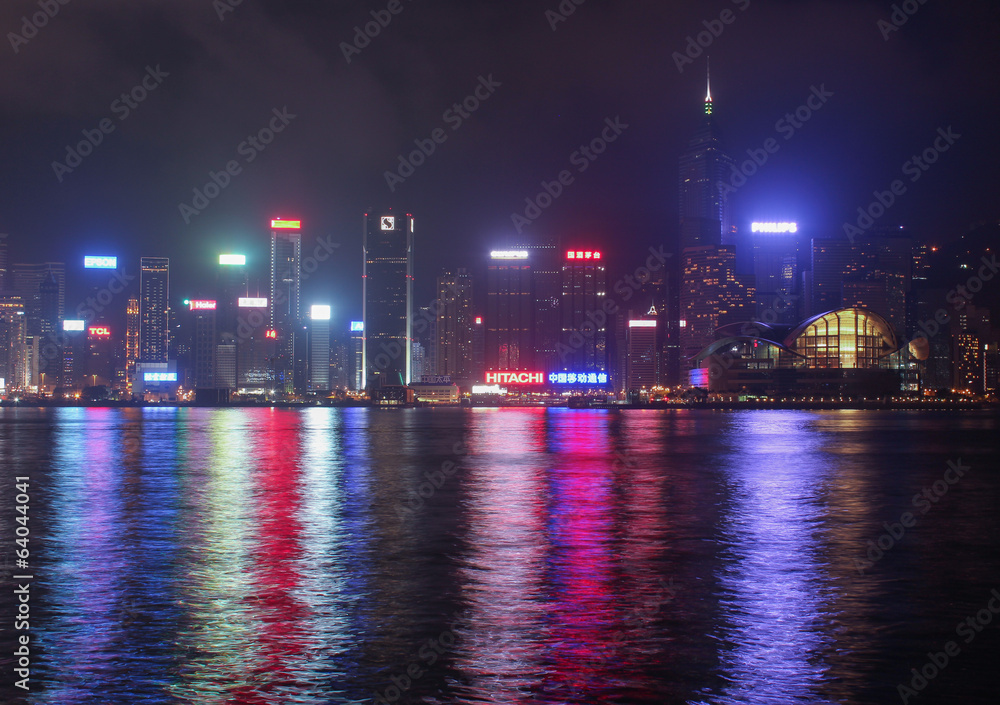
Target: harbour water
<point>545,556</point>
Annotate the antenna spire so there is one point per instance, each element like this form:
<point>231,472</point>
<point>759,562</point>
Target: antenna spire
<point>708,92</point>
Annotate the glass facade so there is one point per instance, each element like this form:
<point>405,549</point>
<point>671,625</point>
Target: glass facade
<point>848,339</point>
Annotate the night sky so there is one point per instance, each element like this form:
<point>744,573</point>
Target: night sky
<point>890,95</point>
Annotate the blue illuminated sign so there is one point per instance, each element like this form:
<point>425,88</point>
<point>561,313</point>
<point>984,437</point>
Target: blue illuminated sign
<point>578,377</point>
<point>357,326</point>
<point>159,376</point>
<point>91,262</point>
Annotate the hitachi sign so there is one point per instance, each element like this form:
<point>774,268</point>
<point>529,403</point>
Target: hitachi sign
<point>515,378</point>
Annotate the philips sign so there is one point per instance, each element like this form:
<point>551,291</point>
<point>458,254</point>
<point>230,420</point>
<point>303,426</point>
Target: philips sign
<point>774,227</point>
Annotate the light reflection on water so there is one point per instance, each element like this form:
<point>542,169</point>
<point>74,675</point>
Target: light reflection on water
<point>334,556</point>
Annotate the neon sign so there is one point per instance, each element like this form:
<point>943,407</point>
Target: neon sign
<point>642,324</point>
<point>100,262</point>
<point>201,305</point>
<point>578,377</point>
<point>320,313</point>
<point>583,254</point>
<point>272,334</point>
<point>286,224</point>
<point>509,254</point>
<point>357,326</point>
<point>253,303</point>
<point>99,331</point>
<point>232,259</point>
<point>774,227</point>
<point>159,376</point>
<point>515,378</point>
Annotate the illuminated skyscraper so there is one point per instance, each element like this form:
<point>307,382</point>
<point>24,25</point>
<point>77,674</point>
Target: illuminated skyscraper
<point>154,301</point>
<point>712,295</point>
<point>453,350</point>
<point>509,343</point>
<point>319,349</point>
<point>387,287</point>
<point>28,280</point>
<point>286,292</point>
<point>642,363</point>
<point>3,263</point>
<point>131,340</point>
<point>584,339</point>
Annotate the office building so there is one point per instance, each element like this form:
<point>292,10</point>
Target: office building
<point>154,301</point>
<point>14,367</point>
<point>99,364</point>
<point>319,349</point>
<point>776,270</point>
<point>356,352</point>
<point>642,364</point>
<point>712,295</point>
<point>583,345</point>
<point>388,299</point>
<point>285,299</point>
<point>509,343</point>
<point>33,282</point>
<point>453,351</point>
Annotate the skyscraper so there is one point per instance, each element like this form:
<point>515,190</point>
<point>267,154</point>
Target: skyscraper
<point>131,340</point>
<point>712,295</point>
<point>509,342</point>
<point>3,263</point>
<point>776,272</point>
<point>27,283</point>
<point>584,338</point>
<point>286,292</point>
<point>453,352</point>
<point>154,301</point>
<point>387,287</point>
<point>705,211</point>
<point>319,349</point>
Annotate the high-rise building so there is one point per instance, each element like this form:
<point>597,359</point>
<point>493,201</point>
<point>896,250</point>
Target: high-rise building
<point>28,281</point>
<point>286,293</point>
<point>643,358</point>
<point>154,302</point>
<point>99,367</point>
<point>388,299</point>
<point>712,295</point>
<point>319,349</point>
<point>204,339</point>
<point>131,340</point>
<point>546,282</point>
<point>3,263</point>
<point>583,345</point>
<point>509,307</point>
<point>453,351</point>
<point>356,353</point>
<point>705,169</point>
<point>14,367</point>
<point>776,272</point>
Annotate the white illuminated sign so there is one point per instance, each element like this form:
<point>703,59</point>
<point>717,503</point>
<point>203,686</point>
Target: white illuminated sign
<point>488,389</point>
<point>233,259</point>
<point>509,254</point>
<point>774,227</point>
<point>388,222</point>
<point>642,324</point>
<point>159,376</point>
<point>73,325</point>
<point>100,262</point>
<point>253,303</point>
<point>320,313</point>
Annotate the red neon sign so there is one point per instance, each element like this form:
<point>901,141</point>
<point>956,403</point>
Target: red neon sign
<point>515,378</point>
<point>279,224</point>
<point>99,331</point>
<point>583,254</point>
<point>272,334</point>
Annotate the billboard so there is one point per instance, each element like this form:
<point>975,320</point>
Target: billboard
<point>583,254</point>
<point>279,224</point>
<point>509,254</point>
<point>578,377</point>
<point>357,326</point>
<point>253,302</point>
<point>159,376</point>
<point>202,305</point>
<point>320,313</point>
<point>99,331</point>
<point>515,378</point>
<point>74,325</point>
<point>232,259</point>
<point>642,324</point>
<point>774,227</point>
<point>94,262</point>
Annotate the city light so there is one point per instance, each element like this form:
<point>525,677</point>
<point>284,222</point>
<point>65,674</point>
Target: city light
<point>509,254</point>
<point>774,227</point>
<point>279,224</point>
<point>232,259</point>
<point>642,324</point>
<point>357,326</point>
<point>515,378</point>
<point>74,325</point>
<point>201,305</point>
<point>159,376</point>
<point>99,331</point>
<point>271,334</point>
<point>479,320</point>
<point>388,222</point>
<point>320,313</point>
<point>578,377</point>
<point>253,302</point>
<point>488,389</point>
<point>583,254</point>
<point>91,262</point>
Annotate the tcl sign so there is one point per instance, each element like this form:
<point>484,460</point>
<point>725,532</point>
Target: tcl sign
<point>515,378</point>
<point>99,331</point>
